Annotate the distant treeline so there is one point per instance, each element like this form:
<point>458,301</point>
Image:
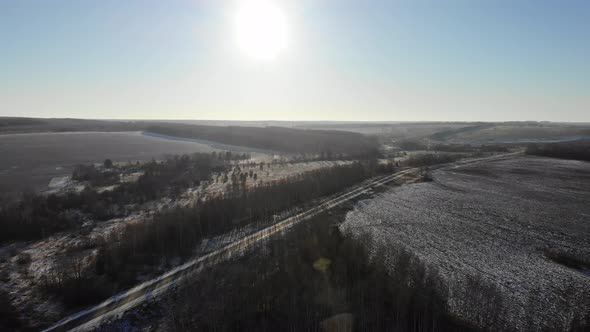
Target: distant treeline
<point>578,150</point>
<point>428,159</point>
<point>333,144</point>
<point>418,145</point>
<point>16,122</point>
<point>444,135</point>
<point>35,125</point>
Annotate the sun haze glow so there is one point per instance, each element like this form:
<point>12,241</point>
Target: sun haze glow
<point>261,29</point>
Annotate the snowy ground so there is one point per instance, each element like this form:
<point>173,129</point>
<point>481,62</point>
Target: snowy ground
<point>493,220</point>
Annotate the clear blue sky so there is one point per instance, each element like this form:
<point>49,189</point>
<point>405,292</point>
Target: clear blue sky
<point>344,60</point>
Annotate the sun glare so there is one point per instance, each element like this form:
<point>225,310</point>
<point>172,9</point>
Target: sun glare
<point>261,29</point>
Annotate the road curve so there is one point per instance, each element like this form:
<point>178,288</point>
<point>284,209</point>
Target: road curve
<point>122,302</point>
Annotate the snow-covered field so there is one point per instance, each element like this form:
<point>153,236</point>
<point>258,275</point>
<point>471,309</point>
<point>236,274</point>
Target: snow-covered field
<point>493,220</point>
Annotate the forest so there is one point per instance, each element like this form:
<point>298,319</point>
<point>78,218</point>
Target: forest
<point>334,144</point>
<point>315,276</point>
<point>312,278</point>
<point>175,233</point>
<point>576,150</point>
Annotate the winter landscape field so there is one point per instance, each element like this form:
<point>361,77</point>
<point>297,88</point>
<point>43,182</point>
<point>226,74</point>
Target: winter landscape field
<point>503,224</point>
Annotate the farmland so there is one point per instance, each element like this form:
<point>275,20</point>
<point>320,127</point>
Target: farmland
<point>31,160</point>
<point>499,226</point>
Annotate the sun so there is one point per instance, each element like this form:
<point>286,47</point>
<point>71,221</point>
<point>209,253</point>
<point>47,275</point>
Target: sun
<point>261,29</point>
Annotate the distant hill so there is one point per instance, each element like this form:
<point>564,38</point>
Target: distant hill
<point>20,122</point>
<point>513,132</point>
<point>328,142</point>
<point>315,137</point>
<point>14,125</point>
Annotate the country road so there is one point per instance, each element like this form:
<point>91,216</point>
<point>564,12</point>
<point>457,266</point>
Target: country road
<point>118,304</point>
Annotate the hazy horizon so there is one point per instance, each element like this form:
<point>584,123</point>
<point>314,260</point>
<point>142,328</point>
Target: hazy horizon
<point>286,60</point>
<point>383,122</point>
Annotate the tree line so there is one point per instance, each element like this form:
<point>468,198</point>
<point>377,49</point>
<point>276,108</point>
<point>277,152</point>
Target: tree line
<point>419,145</point>
<point>176,232</point>
<point>427,159</point>
<point>327,142</point>
<point>171,234</point>
<point>576,150</point>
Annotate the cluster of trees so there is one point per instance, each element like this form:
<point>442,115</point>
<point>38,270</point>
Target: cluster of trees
<point>314,273</point>
<point>446,134</point>
<point>427,159</point>
<point>176,232</point>
<point>94,176</point>
<point>493,148</point>
<point>308,277</point>
<point>36,216</point>
<point>417,145</point>
<point>75,284</point>
<point>412,145</point>
<point>238,178</point>
<point>32,217</point>
<point>327,142</point>
<point>468,148</point>
<point>228,155</point>
<point>453,148</point>
<point>577,150</point>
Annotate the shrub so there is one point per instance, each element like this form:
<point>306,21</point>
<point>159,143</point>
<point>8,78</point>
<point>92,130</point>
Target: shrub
<point>23,259</point>
<point>76,284</point>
